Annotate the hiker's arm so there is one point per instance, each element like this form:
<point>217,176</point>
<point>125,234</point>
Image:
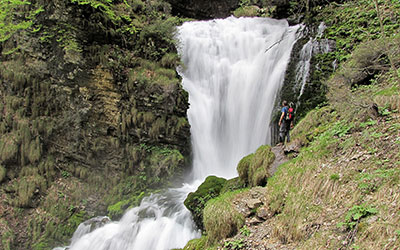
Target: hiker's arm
<point>280,120</point>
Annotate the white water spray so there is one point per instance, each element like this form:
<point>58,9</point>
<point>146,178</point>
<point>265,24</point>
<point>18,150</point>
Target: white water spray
<point>233,71</point>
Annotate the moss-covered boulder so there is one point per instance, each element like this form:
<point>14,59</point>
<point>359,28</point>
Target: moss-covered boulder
<point>197,200</point>
<point>253,169</point>
<point>232,185</point>
<point>197,244</point>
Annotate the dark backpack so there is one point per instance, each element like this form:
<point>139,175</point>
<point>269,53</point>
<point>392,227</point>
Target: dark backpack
<point>289,114</point>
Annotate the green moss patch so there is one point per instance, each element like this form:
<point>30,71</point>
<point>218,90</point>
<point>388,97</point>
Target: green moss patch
<point>197,244</point>
<point>197,200</point>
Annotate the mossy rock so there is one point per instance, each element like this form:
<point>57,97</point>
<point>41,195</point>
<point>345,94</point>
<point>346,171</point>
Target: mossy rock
<point>197,200</point>
<point>197,244</point>
<point>116,210</point>
<point>232,185</point>
<point>221,219</point>
<point>253,169</point>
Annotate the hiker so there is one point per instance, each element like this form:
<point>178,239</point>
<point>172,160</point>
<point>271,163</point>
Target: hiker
<point>286,122</point>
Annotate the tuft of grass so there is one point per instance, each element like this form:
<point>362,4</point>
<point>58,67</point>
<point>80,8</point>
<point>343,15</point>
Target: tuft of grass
<point>3,172</point>
<point>221,220</point>
<point>8,148</point>
<point>253,169</point>
<point>27,188</point>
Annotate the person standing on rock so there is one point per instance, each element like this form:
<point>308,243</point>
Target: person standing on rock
<point>285,122</point>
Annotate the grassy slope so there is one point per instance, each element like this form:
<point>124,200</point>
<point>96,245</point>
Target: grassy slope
<point>342,190</point>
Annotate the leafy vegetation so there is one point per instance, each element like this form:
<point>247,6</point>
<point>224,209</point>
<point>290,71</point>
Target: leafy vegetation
<point>79,136</point>
<point>355,214</point>
<point>11,23</point>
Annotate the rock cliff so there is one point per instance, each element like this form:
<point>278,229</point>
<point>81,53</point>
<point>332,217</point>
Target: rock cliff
<point>92,114</point>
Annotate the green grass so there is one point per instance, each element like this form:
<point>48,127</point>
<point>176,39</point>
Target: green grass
<point>221,220</point>
<point>254,169</point>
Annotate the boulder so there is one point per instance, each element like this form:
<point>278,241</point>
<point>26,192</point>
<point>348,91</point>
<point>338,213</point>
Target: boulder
<point>197,200</point>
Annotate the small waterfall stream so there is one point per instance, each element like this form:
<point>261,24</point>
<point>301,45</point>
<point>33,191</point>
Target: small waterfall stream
<point>233,69</point>
<point>313,46</point>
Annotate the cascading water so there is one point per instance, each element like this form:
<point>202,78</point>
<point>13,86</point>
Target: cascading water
<point>313,46</point>
<point>233,69</point>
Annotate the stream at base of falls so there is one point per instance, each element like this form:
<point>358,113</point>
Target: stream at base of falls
<point>233,70</point>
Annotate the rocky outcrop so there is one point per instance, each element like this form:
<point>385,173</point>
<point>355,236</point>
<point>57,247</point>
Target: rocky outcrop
<point>92,113</point>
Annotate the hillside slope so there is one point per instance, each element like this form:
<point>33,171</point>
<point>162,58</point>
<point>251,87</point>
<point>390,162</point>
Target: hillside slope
<point>341,188</point>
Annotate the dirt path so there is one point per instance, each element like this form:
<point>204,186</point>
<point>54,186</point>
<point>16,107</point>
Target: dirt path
<point>280,158</point>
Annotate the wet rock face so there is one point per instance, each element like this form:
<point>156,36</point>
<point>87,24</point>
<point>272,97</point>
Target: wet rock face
<point>75,120</point>
<point>204,9</point>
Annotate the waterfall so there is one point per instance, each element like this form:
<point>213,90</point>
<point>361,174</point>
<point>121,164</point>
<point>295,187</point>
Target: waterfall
<point>313,46</point>
<point>233,69</point>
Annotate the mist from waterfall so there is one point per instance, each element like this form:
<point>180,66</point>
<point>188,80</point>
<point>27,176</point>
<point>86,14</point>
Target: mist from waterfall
<point>233,70</point>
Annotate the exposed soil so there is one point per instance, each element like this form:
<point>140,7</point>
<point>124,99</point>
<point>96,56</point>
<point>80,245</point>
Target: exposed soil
<point>280,158</point>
